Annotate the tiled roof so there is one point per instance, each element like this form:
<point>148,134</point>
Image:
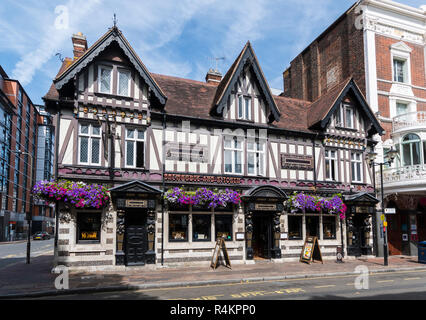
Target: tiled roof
<point>322,106</point>
<point>53,94</point>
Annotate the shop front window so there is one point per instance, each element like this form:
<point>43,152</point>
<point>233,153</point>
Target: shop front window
<point>223,226</point>
<point>88,227</point>
<point>201,227</point>
<point>294,227</point>
<point>312,226</point>
<point>178,227</point>
<point>329,227</point>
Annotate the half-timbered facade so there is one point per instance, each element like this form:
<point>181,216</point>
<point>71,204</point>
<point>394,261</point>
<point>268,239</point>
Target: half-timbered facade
<point>142,134</point>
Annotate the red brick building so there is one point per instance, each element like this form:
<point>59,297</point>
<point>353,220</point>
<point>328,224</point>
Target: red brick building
<point>18,136</point>
<point>380,44</point>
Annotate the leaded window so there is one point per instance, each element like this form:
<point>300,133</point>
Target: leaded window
<point>105,76</point>
<point>89,144</point>
<point>123,83</point>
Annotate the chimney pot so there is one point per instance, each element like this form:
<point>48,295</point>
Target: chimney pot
<point>213,77</point>
<point>79,43</point>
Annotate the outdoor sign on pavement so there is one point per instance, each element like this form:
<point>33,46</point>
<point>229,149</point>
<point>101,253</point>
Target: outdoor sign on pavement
<point>311,251</point>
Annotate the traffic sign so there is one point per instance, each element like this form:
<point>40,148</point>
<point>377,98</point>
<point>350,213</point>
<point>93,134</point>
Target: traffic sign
<point>390,210</point>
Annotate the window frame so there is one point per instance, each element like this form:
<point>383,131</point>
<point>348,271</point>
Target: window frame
<point>90,136</point>
<point>300,227</point>
<point>193,217</point>
<point>245,112</point>
<point>258,154</point>
<point>230,216</point>
<point>111,69</point>
<point>335,161</point>
<point>186,239</point>
<point>404,61</point>
<point>411,143</point>
<point>234,150</point>
<point>359,165</point>
<point>78,217</point>
<point>135,140</point>
<point>331,217</point>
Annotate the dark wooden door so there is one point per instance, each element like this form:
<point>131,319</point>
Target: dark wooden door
<point>136,245</point>
<point>394,234</point>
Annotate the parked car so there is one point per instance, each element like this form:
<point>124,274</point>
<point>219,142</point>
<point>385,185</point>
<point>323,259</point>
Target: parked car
<point>41,236</point>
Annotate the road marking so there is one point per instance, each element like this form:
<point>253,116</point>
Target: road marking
<point>9,256</point>
<point>412,279</point>
<point>326,286</point>
<point>380,281</point>
<point>278,280</point>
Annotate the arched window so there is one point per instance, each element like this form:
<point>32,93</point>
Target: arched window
<point>411,149</point>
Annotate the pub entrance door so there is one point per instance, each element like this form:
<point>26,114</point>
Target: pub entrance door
<point>359,235</point>
<point>263,236</point>
<point>136,240</point>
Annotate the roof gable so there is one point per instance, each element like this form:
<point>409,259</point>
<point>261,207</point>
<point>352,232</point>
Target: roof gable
<point>135,186</point>
<point>97,48</point>
<point>322,109</point>
<point>246,57</point>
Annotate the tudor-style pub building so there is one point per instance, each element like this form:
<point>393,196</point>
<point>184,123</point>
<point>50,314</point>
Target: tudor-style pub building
<point>150,138</point>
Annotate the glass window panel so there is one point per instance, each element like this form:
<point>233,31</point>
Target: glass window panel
<point>141,134</point>
<point>201,227</point>
<point>240,107</point>
<point>349,118</point>
<point>96,130</point>
<point>130,153</point>
<point>416,152</point>
<point>228,161</point>
<point>223,226</point>
<point>178,227</point>
<point>84,129</point>
<point>95,150</point>
<point>130,133</point>
<point>88,227</point>
<point>261,164</point>
<point>250,145</point>
<point>248,108</point>
<point>84,149</point>
<point>250,163</point>
<point>105,80</point>
<point>294,227</point>
<point>238,166</point>
<point>312,226</point>
<point>406,154</point>
<point>140,154</point>
<point>329,227</point>
<point>228,143</point>
<point>401,108</point>
<point>123,81</point>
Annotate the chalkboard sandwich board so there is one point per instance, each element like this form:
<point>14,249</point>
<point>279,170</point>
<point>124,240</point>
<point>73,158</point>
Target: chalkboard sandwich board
<point>311,251</point>
<point>220,245</point>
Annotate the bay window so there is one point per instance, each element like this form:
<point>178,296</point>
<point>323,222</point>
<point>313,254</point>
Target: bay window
<point>411,149</point>
<point>135,144</point>
<point>89,137</point>
<point>233,155</point>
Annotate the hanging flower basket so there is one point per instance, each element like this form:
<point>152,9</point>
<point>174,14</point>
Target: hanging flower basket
<point>77,194</point>
<point>303,202</point>
<point>202,197</point>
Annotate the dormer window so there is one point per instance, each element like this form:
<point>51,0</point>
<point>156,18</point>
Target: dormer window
<point>123,83</point>
<point>344,116</point>
<point>105,76</point>
<point>244,107</point>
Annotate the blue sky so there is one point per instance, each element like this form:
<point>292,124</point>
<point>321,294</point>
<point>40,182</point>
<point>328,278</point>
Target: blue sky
<point>178,38</point>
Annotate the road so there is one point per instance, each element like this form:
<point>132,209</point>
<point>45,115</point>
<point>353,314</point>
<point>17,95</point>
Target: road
<point>12,253</point>
<point>382,286</point>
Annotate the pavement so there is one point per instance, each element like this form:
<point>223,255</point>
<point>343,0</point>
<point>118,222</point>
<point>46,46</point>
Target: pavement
<point>20,280</point>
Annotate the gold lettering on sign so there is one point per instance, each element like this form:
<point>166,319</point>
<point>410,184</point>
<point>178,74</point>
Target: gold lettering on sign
<point>136,203</point>
<point>265,206</point>
<point>89,235</point>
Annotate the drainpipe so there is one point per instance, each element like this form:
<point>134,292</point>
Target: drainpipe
<point>164,188</point>
<point>58,125</point>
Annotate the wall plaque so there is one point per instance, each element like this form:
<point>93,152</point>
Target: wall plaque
<point>300,162</point>
<point>265,206</point>
<point>186,152</point>
<point>135,203</point>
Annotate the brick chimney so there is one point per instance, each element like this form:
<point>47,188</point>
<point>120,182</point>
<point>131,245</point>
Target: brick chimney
<point>79,43</point>
<point>213,77</point>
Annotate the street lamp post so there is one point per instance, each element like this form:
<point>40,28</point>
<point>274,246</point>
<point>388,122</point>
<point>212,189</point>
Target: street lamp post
<point>29,217</point>
<point>391,156</point>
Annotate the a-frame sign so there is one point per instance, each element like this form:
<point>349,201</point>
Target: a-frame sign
<point>220,245</point>
<point>311,251</point>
